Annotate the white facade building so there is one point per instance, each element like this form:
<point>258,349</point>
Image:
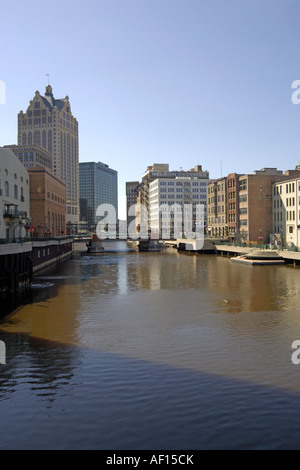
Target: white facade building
<point>14,196</point>
<point>170,198</point>
<point>286,212</point>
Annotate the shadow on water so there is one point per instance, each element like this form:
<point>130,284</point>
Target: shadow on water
<point>73,398</point>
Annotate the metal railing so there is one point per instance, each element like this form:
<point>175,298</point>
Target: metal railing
<point>33,239</point>
<point>14,214</point>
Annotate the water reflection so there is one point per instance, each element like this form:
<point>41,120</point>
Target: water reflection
<point>173,309</point>
<point>162,350</point>
<point>44,368</point>
<point>246,288</point>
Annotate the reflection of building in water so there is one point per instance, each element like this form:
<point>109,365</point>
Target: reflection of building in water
<point>163,271</point>
<point>253,288</point>
<point>122,276</point>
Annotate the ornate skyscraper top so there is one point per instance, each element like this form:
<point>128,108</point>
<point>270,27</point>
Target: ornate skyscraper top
<point>49,122</point>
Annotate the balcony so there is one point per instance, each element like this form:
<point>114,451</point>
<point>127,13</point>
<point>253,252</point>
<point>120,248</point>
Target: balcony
<point>13,214</point>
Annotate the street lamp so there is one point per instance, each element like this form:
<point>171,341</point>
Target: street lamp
<point>260,238</point>
<point>226,230</point>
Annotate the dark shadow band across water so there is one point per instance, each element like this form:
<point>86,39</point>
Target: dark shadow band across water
<point>65,397</point>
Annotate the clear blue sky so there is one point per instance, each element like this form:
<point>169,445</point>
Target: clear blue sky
<point>183,82</point>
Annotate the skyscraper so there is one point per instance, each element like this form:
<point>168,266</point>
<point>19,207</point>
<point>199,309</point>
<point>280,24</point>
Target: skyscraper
<point>132,192</point>
<point>49,123</point>
<point>98,185</point>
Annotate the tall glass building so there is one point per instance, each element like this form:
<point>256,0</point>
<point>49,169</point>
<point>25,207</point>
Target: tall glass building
<point>98,184</point>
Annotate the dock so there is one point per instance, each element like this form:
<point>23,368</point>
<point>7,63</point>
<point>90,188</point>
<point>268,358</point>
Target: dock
<point>287,256</point>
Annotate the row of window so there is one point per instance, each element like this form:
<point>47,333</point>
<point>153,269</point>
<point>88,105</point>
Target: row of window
<point>55,198</point>
<point>215,188</point>
<point>289,188</point>
<point>15,193</point>
<point>15,176</point>
<point>216,220</point>
<point>279,229</point>
<point>180,183</point>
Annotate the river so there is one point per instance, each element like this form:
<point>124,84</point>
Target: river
<point>128,350</point>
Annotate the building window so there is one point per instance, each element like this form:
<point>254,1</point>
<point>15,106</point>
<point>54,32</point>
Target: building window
<point>243,185</point>
<point>6,188</point>
<point>37,137</point>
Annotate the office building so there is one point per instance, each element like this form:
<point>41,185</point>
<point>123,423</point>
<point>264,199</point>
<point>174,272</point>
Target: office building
<point>49,123</point>
<point>98,185</point>
<point>161,170</point>
<point>170,198</point>
<point>132,193</point>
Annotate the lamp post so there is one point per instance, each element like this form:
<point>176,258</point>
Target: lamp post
<point>226,230</point>
<point>27,225</point>
<point>260,238</point>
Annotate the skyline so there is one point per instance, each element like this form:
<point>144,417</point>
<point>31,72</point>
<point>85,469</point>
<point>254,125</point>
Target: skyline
<point>187,83</point>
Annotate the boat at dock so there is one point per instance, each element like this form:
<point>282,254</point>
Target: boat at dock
<point>150,245</point>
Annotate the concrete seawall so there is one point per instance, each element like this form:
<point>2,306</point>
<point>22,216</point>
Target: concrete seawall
<point>288,256</point>
<point>18,261</point>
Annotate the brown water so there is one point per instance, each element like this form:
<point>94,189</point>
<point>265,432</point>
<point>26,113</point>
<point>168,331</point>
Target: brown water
<point>161,333</point>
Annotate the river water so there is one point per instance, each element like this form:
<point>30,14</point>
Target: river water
<point>128,350</point>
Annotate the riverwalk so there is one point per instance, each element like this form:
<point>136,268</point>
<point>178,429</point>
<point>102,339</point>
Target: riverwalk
<point>286,255</point>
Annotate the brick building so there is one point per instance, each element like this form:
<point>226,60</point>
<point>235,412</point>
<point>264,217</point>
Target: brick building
<point>47,203</point>
<point>255,205</point>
